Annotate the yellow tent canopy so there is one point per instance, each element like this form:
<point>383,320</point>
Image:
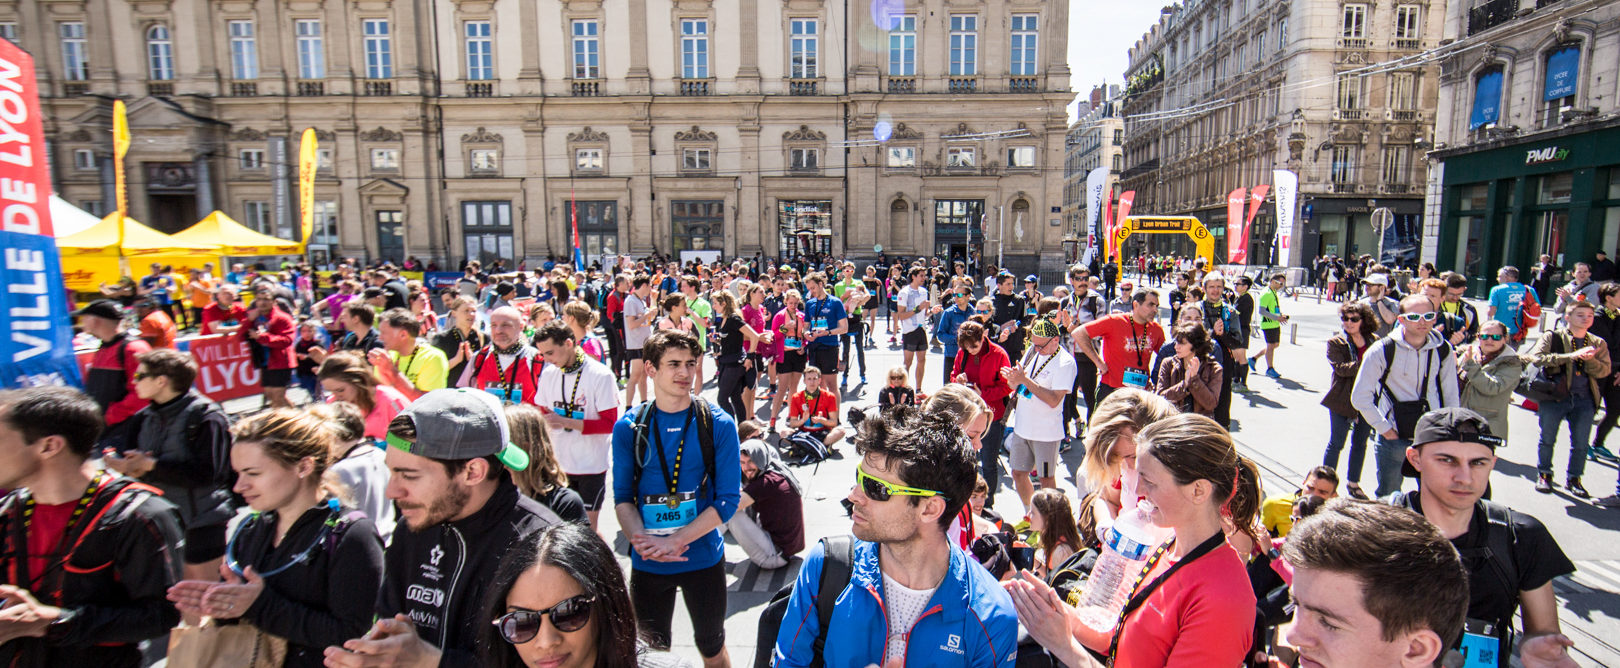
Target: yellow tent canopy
<point>139,240</point>
<point>234,239</point>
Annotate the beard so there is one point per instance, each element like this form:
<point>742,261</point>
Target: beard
<point>447,506</point>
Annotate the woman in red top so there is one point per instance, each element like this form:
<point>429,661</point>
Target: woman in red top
<point>978,365</point>
<point>270,332</point>
<point>1194,605</point>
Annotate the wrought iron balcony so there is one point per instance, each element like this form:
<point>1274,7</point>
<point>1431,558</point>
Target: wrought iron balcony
<point>1491,14</point>
<point>164,88</point>
<point>75,88</point>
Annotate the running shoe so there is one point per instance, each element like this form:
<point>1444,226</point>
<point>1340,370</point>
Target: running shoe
<point>1272,373</point>
<point>1600,452</point>
<point>1575,488</point>
<point>1251,364</point>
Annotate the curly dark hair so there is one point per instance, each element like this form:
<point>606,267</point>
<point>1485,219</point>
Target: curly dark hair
<point>926,451</point>
<point>1193,333</point>
<point>1369,321</point>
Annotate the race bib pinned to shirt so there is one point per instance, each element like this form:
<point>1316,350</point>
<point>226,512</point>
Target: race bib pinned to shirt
<point>792,343</point>
<point>818,323</point>
<point>507,395</point>
<point>1479,646</point>
<point>1137,378</point>
<point>665,514</point>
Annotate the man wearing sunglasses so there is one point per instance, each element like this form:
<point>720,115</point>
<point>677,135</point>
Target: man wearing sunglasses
<point>1081,306</point>
<point>1401,378</point>
<point>911,598</point>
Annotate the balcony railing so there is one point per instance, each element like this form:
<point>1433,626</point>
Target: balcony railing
<point>376,87</point>
<point>1023,84</point>
<point>244,88</point>
<point>1397,188</point>
<point>963,85</point>
<point>588,88</point>
<point>1352,42</point>
<point>902,85</point>
<point>1403,115</point>
<point>480,89</point>
<point>164,88</point>
<point>75,88</point>
<point>803,86</point>
<point>1491,14</point>
<point>310,88</point>
<point>695,87</point>
<point>1544,3</point>
<point>1349,114</point>
<point>1406,44</point>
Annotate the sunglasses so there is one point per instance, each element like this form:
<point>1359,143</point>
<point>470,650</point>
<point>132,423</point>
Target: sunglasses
<point>521,626</point>
<point>141,375</point>
<point>1493,337</point>
<point>1415,317</point>
<point>879,490</point>
<point>1350,318</point>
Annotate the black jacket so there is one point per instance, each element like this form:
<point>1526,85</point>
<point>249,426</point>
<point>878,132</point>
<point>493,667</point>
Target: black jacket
<point>439,576</point>
<point>323,601</point>
<point>113,583</point>
<point>190,439</point>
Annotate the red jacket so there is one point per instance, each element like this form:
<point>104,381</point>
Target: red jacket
<point>278,336</point>
<point>483,372</point>
<point>110,380</point>
<point>984,372</point>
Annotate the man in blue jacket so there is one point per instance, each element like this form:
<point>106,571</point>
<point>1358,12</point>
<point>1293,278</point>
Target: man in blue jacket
<point>912,596</point>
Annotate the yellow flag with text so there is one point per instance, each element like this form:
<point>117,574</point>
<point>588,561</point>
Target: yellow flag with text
<point>306,186</point>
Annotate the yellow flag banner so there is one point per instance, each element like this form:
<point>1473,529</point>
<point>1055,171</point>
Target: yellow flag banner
<point>306,186</point>
<point>120,147</point>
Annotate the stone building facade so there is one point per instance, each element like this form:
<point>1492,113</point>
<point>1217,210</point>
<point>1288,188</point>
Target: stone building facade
<point>1096,139</point>
<point>1221,92</point>
<point>480,128</point>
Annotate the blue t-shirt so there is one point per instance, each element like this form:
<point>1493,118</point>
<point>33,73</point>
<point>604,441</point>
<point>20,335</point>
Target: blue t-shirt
<point>668,285</point>
<point>158,286</point>
<point>825,313</point>
<point>724,497</point>
<point>1508,300</point>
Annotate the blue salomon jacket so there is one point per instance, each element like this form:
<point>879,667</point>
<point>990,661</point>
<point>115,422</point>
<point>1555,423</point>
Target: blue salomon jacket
<point>950,320</point>
<point>970,620</point>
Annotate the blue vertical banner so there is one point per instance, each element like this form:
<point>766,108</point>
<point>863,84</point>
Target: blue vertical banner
<point>1487,99</point>
<point>36,333</point>
<point>1563,70</point>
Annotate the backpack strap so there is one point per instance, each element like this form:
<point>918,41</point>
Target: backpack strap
<point>705,428</point>
<point>1500,537</point>
<point>338,530</point>
<point>837,563</point>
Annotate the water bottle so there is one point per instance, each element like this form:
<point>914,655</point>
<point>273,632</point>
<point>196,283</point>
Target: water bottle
<point>1126,547</point>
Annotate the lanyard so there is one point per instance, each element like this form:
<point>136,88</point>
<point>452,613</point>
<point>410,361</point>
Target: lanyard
<point>680,450</point>
<point>579,374</point>
<point>1142,594</point>
<point>407,366</point>
<point>1140,343</point>
<point>1030,362</point>
<point>67,531</point>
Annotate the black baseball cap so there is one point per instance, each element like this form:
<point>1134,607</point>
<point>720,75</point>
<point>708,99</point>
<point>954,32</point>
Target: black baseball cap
<point>102,308</point>
<point>1451,424</point>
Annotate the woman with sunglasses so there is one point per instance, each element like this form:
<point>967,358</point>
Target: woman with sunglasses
<point>1344,353</point>
<point>559,600</point>
<point>1490,370</point>
<point>301,567</point>
<point>949,321</point>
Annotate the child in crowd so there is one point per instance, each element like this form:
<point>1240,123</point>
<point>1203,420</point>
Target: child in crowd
<point>896,393</point>
<point>309,336</point>
<point>1052,516</point>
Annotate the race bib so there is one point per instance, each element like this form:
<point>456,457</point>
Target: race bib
<point>572,415</point>
<point>513,395</point>
<point>1023,391</point>
<point>792,344</point>
<point>660,519</point>
<point>1136,378</point>
<point>818,323</point>
<point>1479,646</point>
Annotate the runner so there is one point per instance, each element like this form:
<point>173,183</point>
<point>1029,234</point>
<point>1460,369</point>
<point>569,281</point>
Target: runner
<point>580,400</point>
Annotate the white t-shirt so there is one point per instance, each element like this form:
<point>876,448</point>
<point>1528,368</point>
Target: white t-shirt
<point>904,607</point>
<point>908,299</point>
<point>1033,420</point>
<point>635,337</point>
<point>593,389</point>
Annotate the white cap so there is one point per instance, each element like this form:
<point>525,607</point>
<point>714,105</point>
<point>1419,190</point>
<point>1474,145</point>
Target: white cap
<point>1376,279</point>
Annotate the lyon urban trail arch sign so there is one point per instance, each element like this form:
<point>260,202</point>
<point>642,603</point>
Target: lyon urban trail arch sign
<point>1187,225</point>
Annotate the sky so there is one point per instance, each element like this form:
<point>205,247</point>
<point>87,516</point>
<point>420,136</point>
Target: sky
<point>1100,34</point>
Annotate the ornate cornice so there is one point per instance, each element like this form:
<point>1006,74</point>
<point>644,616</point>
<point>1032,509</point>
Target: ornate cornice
<point>480,136</point>
<point>903,132</point>
<point>804,133</point>
<point>695,134</point>
<point>588,135</point>
<point>247,134</point>
<point>380,134</point>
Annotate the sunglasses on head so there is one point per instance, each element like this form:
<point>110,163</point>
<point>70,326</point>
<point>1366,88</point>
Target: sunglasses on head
<point>1415,317</point>
<point>521,626</point>
<point>879,490</point>
<point>1493,337</point>
<point>1350,318</point>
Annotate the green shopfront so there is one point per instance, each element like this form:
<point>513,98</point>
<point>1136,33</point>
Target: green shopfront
<point>1509,205</point>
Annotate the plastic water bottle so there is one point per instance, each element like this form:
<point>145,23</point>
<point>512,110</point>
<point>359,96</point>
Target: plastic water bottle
<point>1126,547</point>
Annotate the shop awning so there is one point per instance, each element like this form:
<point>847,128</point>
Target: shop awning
<point>234,239</point>
<point>102,240</point>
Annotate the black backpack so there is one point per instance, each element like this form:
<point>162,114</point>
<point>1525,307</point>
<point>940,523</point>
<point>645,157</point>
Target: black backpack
<point>705,427</point>
<point>836,567</point>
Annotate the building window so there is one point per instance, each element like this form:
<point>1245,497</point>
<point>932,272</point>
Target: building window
<point>326,223</point>
<point>385,159</point>
<point>1119,162</point>
<point>804,227</point>
<point>487,230</point>
<point>1024,38</point>
<point>1402,91</point>
<point>93,207</point>
<point>694,48</point>
<point>1021,156</point>
<point>244,50</point>
<point>75,51</point>
<point>8,30</point>
<point>959,156</point>
<point>480,51</point>
<point>802,48</point>
<point>1119,136</point>
<point>588,159</point>
<point>698,225</point>
<point>1563,69</point>
<point>323,159</point>
<point>1260,46</point>
<point>1343,169</point>
<point>391,235</point>
<point>159,54</point>
<point>1354,25</point>
<point>256,215</point>
<point>804,159</point>
<point>902,46</point>
<point>379,49</point>
<point>1350,92</point>
<point>696,159</point>
<point>587,50</point>
<point>1282,33</point>
<point>1487,99</point>
<point>311,49</point>
<point>484,161</point>
<point>964,45</point>
<point>84,159</point>
<point>598,227</point>
<point>250,158</point>
<point>902,156</point>
<point>1406,22</point>
<point>1397,161</point>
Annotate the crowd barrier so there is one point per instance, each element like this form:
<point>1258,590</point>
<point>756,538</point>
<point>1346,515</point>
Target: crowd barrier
<point>225,368</point>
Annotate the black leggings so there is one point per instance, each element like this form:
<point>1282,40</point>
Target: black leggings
<point>1611,414</point>
<point>1085,387</point>
<point>731,383</point>
<point>653,596</point>
<point>855,340</point>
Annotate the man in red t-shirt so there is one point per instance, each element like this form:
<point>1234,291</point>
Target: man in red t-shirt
<point>225,315</point>
<point>814,410</point>
<point>157,329</point>
<point>1129,341</point>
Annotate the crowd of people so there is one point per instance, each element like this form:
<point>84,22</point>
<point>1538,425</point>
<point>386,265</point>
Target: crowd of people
<point>437,500</point>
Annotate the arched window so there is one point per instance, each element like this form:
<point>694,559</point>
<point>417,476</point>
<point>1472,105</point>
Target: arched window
<point>900,224</point>
<point>1487,98</point>
<point>159,54</point>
